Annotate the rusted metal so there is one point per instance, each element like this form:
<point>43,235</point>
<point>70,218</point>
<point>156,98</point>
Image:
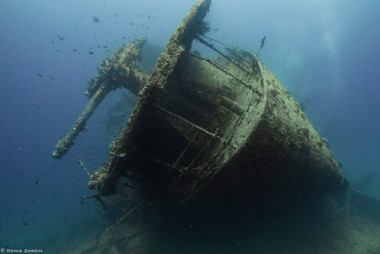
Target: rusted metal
<point>219,133</point>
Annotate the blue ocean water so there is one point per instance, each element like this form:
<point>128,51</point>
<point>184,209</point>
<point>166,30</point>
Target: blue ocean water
<point>326,53</point>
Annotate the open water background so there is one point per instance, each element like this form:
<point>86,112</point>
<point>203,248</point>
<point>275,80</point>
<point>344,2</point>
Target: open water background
<point>325,52</point>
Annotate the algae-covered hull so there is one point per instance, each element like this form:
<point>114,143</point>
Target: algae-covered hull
<point>217,133</point>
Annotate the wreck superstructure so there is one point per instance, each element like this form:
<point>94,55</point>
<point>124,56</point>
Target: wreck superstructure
<point>219,133</point>
<point>208,136</point>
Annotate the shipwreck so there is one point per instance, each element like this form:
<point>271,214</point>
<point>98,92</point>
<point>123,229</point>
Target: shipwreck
<point>208,138</point>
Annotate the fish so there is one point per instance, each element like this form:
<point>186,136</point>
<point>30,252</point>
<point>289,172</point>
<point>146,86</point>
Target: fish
<point>40,75</point>
<point>91,52</point>
<point>262,42</point>
<point>96,19</point>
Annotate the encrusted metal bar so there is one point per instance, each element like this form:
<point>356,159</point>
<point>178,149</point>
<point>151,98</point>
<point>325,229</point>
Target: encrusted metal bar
<point>184,126</point>
<point>66,142</point>
<point>202,150</point>
<point>233,106</point>
<point>176,163</point>
<point>116,72</point>
<point>118,68</point>
<point>250,87</point>
<point>209,45</point>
